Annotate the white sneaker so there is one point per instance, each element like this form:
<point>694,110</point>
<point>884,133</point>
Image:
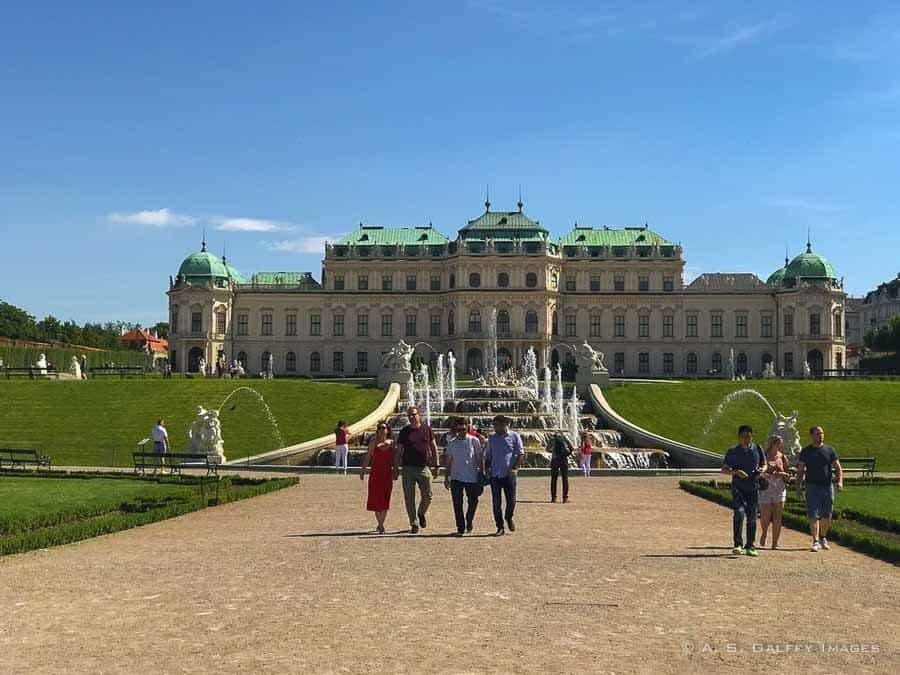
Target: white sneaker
<point>815,547</point>
<point>823,542</point>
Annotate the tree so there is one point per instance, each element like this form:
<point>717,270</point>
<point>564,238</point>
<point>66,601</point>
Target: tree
<point>162,329</point>
<point>886,338</point>
<point>15,323</point>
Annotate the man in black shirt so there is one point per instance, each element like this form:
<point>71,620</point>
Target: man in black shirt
<point>744,463</point>
<point>416,450</point>
<point>560,450</point>
<point>817,463</point>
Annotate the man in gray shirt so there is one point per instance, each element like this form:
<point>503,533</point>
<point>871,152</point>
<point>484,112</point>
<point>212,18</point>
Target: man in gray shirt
<point>465,465</point>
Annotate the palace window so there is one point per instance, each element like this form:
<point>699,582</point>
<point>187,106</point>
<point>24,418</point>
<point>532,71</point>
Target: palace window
<point>410,330</point>
<point>315,362</point>
<point>740,325</point>
<point>691,364</point>
<point>668,325</point>
<point>668,284</point>
<point>315,324</point>
<point>554,322</point>
<point>264,361</point>
<point>338,282</point>
<point>715,325</point>
<point>451,326</point>
<point>196,322</point>
<point>571,325</point>
<point>619,282</point>
<point>531,280</point>
<point>788,325</point>
<point>410,282</point>
<point>619,362</point>
<point>789,362</point>
<point>668,363</point>
<point>474,321</point>
<point>173,322</point>
<point>435,282</point>
<point>595,325</point>
<point>644,363</point>
<point>242,324</point>
<point>691,327</point>
<point>290,324</point>
<point>337,325</point>
<point>717,362</point>
<point>815,324</point>
<point>362,325</point>
<point>619,325</point>
<point>502,321</point>
<point>570,282</point>
<point>531,322</point>
<point>387,282</point>
<point>644,325</point>
<point>838,325</point>
<point>474,280</point>
<point>741,367</point>
<point>765,325</point>
<point>643,282</point>
<point>337,362</point>
<point>362,362</point>
<point>266,324</point>
<point>554,281</point>
<point>220,322</point>
<point>362,282</point>
<point>387,325</point>
<point>503,280</point>
<point>452,280</point>
<point>595,282</point>
<point>435,325</point>
<point>290,362</point>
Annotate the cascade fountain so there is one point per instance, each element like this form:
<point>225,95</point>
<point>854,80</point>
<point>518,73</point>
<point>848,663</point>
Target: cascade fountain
<point>491,360</point>
<point>531,375</point>
<point>574,422</point>
<point>440,377</point>
<point>426,393</point>
<point>451,374</point>
<point>558,402</point>
<point>547,405</point>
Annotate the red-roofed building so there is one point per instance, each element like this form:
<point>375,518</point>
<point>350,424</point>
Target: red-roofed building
<point>147,341</point>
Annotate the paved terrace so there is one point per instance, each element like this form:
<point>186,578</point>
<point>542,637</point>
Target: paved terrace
<point>632,576</point>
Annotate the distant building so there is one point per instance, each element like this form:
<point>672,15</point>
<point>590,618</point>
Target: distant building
<point>146,341</point>
<point>621,289</point>
<point>880,305</point>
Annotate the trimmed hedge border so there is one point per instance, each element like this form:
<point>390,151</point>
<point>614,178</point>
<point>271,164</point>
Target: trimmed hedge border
<point>135,513</point>
<point>855,535</point>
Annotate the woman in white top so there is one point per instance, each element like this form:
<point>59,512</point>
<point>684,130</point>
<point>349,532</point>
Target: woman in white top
<point>771,500</point>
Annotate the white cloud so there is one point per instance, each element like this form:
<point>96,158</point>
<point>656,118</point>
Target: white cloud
<point>737,38</point>
<point>158,218</point>
<point>249,225</point>
<point>313,243</point>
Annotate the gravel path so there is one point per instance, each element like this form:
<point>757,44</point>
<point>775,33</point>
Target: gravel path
<point>632,576</point>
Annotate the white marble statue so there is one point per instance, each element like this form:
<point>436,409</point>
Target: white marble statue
<point>769,371</point>
<point>786,427</point>
<point>205,435</point>
<point>592,358</point>
<point>807,371</point>
<point>41,364</point>
<point>270,367</point>
<point>399,357</point>
<point>75,368</point>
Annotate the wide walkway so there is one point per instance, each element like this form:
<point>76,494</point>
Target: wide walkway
<point>632,576</point>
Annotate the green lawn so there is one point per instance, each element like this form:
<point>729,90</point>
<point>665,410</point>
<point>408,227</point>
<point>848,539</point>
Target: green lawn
<point>859,417</point>
<point>81,423</point>
<point>880,501</point>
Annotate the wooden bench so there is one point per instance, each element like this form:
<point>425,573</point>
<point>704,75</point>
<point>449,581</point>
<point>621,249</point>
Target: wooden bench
<point>863,465</point>
<point>173,461</point>
<point>22,457</point>
<point>31,372</point>
<point>121,371</point>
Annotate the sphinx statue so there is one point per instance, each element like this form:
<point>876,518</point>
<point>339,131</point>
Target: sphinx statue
<point>591,358</point>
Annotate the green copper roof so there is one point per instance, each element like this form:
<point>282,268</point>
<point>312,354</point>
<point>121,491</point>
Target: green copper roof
<point>235,276</point>
<point>504,220</point>
<point>393,236</point>
<point>304,279</point>
<point>202,267</point>
<point>777,276</point>
<point>606,236</point>
<point>809,266</point>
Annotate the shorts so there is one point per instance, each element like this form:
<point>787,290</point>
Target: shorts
<point>819,500</point>
<point>159,447</point>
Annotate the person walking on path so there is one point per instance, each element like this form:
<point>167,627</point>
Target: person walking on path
<point>160,440</point>
<point>502,458</point>
<point>587,443</point>
<point>465,465</point>
<point>415,451</point>
<point>818,464</point>
<point>744,463</point>
<point>341,448</point>
<point>380,456</point>
<point>771,500</point>
<point>560,450</point>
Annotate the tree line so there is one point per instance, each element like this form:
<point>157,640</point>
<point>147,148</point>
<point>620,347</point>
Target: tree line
<point>886,338</point>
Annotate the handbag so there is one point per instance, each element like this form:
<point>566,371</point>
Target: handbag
<point>763,484</point>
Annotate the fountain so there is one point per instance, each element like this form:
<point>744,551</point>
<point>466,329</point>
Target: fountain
<point>426,392</point>
<point>279,440</point>
<point>440,377</point>
<point>558,401</point>
<point>731,373</point>
<point>205,435</point>
<point>547,405</point>
<point>573,422</point>
<point>451,361</point>
<point>411,389</point>
<point>782,425</point>
<point>531,376</point>
<point>491,356</point>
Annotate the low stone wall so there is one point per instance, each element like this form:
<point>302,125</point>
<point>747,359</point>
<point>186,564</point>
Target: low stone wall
<point>304,452</point>
<point>683,454</point>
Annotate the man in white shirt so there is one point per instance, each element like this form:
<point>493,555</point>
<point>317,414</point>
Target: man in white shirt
<point>465,465</point>
<point>160,438</point>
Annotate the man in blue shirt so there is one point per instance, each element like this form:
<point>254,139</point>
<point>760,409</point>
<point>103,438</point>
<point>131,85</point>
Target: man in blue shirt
<point>744,463</point>
<point>503,454</point>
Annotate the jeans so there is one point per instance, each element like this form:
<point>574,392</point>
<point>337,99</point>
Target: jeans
<point>473,491</point>
<point>744,505</point>
<point>413,476</point>
<point>507,485</point>
<point>557,470</point>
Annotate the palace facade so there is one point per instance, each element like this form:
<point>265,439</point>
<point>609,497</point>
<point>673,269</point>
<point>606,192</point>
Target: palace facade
<point>621,289</point>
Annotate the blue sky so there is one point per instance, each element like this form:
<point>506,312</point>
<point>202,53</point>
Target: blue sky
<point>731,128</point>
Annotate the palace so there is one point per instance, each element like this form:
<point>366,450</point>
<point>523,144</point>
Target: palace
<point>621,289</point>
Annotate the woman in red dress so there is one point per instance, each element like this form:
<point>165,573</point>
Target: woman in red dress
<point>380,457</point>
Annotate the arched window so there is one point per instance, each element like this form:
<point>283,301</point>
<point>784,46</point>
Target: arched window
<point>474,280</point>
<point>531,280</point>
<point>717,362</point>
<point>242,359</point>
<point>264,361</point>
<point>451,327</point>
<point>555,324</point>
<point>531,322</point>
<point>290,362</point>
<point>691,364</point>
<point>742,364</point>
<point>315,362</point>
<point>503,280</point>
<point>502,321</point>
<point>554,281</point>
<point>474,321</point>
<point>452,280</point>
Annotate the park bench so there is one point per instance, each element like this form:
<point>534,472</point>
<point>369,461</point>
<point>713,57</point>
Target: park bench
<point>121,371</point>
<point>22,457</point>
<point>173,461</point>
<point>31,372</point>
<point>863,465</point>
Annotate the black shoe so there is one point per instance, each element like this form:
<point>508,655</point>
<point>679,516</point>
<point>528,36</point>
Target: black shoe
<point>469,527</point>
<point>552,500</point>
<point>500,532</point>
<point>460,533</point>
<point>511,525</point>
<point>422,521</point>
<point>414,529</point>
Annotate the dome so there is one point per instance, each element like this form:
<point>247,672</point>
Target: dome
<point>203,267</point>
<point>233,274</point>
<point>809,266</point>
<point>777,276</point>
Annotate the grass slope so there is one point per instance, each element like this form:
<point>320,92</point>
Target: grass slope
<point>80,423</point>
<point>859,417</point>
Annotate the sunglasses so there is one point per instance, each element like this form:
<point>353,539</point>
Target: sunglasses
<point>415,414</point>
<point>381,426</point>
